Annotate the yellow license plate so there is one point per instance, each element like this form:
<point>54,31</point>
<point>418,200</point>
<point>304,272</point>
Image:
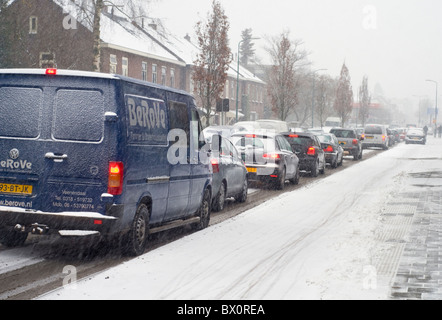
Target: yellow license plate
<point>15,189</point>
<point>342,142</point>
<point>252,170</point>
<point>369,137</point>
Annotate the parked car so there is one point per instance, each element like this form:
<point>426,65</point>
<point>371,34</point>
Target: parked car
<point>94,152</point>
<point>375,135</point>
<point>229,173</point>
<point>415,135</point>
<point>308,148</point>
<point>268,157</point>
<point>349,141</point>
<point>334,153</point>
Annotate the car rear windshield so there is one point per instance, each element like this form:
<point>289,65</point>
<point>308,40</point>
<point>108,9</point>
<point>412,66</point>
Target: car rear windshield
<point>266,143</point>
<point>300,140</point>
<point>373,130</point>
<point>344,133</point>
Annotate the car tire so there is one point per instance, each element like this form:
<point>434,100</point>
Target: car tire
<point>322,171</point>
<point>11,238</point>
<point>295,179</point>
<point>280,182</point>
<point>220,198</point>
<point>315,169</point>
<point>204,211</point>
<point>136,239</point>
<point>242,197</point>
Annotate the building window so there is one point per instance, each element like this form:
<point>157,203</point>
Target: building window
<point>144,71</point>
<point>172,78</point>
<point>113,64</point>
<point>125,66</point>
<point>47,60</point>
<point>163,75</point>
<point>154,73</point>
<point>33,25</point>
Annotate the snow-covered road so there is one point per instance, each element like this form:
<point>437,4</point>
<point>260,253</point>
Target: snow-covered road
<point>317,242</point>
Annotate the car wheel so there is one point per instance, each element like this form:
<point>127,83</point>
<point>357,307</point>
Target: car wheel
<point>315,169</point>
<point>204,211</point>
<point>242,197</point>
<point>322,171</point>
<point>295,179</point>
<point>280,182</point>
<point>12,238</point>
<point>334,164</point>
<point>220,198</point>
<point>136,239</point>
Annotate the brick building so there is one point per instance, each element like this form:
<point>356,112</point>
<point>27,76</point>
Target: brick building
<point>54,33</point>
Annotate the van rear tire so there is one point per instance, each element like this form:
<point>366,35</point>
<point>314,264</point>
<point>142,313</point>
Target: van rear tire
<point>11,238</point>
<point>135,240</point>
<point>204,211</point>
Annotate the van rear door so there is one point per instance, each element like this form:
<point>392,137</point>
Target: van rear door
<point>55,143</point>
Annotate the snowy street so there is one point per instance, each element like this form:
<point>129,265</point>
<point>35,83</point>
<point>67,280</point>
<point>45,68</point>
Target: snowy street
<point>332,239</point>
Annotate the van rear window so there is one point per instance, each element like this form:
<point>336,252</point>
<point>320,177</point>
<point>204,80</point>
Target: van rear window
<point>78,115</point>
<point>20,110</point>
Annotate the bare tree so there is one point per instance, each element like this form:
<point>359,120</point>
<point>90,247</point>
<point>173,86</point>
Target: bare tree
<point>283,77</point>
<point>211,66</point>
<point>325,97</point>
<point>344,96</point>
<point>364,101</point>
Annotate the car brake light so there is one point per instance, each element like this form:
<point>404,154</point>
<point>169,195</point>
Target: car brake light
<point>51,71</point>
<point>271,155</point>
<point>215,165</point>
<point>355,142</point>
<point>311,151</point>
<point>329,149</point>
<point>383,138</point>
<point>293,136</point>
<point>250,136</point>
<point>115,183</point>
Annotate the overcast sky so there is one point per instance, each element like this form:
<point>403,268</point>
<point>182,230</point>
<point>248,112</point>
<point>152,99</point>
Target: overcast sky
<point>396,43</point>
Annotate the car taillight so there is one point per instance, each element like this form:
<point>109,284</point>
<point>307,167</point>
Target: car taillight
<point>383,138</point>
<point>329,149</point>
<point>51,72</point>
<point>355,142</point>
<point>271,155</point>
<point>311,151</point>
<point>215,165</point>
<point>115,183</point>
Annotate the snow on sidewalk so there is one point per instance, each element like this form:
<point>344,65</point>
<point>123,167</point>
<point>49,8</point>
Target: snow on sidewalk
<point>317,242</point>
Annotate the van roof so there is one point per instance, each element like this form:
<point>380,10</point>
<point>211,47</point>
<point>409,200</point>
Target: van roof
<point>89,74</point>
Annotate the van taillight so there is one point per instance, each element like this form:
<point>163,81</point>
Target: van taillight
<point>51,71</point>
<point>311,151</point>
<point>383,138</point>
<point>115,183</point>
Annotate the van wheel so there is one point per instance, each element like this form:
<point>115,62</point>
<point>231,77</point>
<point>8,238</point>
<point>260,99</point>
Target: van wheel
<point>136,240</point>
<point>204,211</point>
<point>220,198</point>
<point>11,238</point>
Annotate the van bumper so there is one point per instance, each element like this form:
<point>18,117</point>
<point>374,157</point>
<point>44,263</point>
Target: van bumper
<point>51,222</point>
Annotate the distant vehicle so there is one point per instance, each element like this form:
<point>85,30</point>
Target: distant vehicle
<point>333,122</point>
<point>277,125</point>
<point>375,135</point>
<point>92,153</point>
<point>334,153</point>
<point>315,130</point>
<point>308,148</point>
<point>402,133</point>
<point>243,126</point>
<point>229,173</point>
<point>224,131</point>
<point>349,141</point>
<point>415,135</point>
<point>268,158</point>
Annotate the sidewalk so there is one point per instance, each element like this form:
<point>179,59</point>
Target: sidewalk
<point>419,206</point>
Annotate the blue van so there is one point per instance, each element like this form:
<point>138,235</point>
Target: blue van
<point>90,153</point>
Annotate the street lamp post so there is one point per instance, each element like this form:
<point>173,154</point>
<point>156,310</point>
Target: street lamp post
<point>436,111</point>
<point>237,75</point>
<point>313,96</point>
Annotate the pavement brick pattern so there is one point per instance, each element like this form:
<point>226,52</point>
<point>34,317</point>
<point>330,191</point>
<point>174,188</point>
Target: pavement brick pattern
<point>419,274</point>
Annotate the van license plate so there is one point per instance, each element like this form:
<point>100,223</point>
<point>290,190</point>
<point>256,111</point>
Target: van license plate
<point>252,170</point>
<point>15,189</point>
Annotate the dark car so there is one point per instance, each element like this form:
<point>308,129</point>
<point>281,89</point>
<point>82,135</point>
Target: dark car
<point>268,157</point>
<point>229,172</point>
<point>415,135</point>
<point>334,154</point>
<point>308,148</point>
<point>349,140</point>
